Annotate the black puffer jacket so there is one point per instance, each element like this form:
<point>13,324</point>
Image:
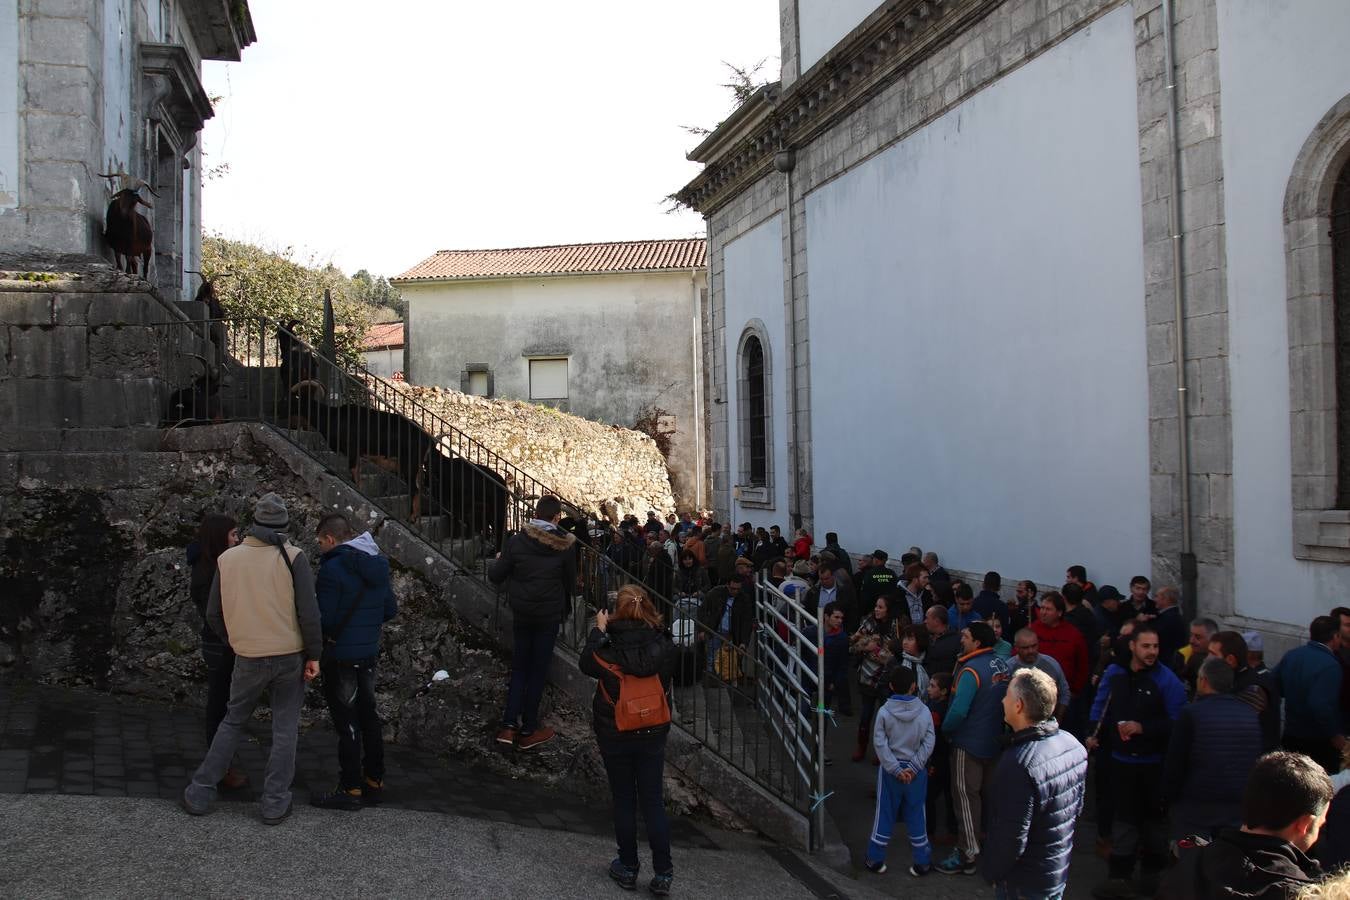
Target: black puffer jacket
<point>539,569</point>
<point>1036,796</point>
<point>637,649</point>
<point>1214,745</point>
<point>1240,865</point>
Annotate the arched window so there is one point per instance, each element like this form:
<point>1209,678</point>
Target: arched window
<point>757,412</point>
<point>1317,264</point>
<point>754,415</point>
<point>1340,267</point>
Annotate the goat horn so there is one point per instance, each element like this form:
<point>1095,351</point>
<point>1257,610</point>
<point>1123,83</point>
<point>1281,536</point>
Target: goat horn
<point>113,175</point>
<point>308,382</point>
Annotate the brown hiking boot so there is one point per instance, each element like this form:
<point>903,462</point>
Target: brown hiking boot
<point>506,736</point>
<point>540,735</point>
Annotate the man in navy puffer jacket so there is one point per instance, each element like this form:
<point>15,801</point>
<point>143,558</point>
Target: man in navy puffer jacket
<point>1036,796</point>
<point>355,600</point>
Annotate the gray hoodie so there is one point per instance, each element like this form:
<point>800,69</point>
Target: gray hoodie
<point>903,735</point>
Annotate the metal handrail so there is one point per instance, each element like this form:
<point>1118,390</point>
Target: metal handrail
<point>726,717</point>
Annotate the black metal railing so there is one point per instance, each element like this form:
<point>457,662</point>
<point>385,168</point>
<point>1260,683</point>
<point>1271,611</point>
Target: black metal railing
<point>465,498</point>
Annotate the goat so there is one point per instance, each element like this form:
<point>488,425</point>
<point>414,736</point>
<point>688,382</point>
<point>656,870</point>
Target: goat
<point>128,232</point>
<point>360,431</point>
<point>206,293</point>
<point>474,497</point>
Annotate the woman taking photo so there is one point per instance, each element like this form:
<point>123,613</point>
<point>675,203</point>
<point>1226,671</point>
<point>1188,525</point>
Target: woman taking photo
<point>871,647</point>
<point>216,534</point>
<point>691,579</point>
<point>630,656</point>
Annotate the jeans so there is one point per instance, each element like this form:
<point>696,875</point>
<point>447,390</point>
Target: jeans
<point>1005,891</point>
<point>634,767</point>
<point>531,654</point>
<point>219,659</point>
<point>283,679</point>
<point>349,688</point>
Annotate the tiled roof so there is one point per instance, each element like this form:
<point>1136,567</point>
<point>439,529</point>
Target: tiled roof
<point>563,259</point>
<point>381,336</point>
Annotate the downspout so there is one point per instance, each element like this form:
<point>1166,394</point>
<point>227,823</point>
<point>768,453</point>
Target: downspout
<point>1188,565</point>
<point>698,391</point>
<point>784,161</point>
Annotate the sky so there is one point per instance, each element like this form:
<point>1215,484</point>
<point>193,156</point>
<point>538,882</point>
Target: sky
<point>372,135</point>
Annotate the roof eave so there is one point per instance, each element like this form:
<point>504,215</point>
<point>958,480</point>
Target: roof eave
<point>469,279</point>
<point>746,116</point>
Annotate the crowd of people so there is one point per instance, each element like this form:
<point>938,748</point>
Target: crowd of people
<point>1184,725</point>
<point>982,710</point>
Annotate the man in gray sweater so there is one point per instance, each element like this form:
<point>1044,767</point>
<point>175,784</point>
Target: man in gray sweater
<point>262,603</point>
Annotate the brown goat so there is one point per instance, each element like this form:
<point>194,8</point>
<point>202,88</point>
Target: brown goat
<point>127,231</point>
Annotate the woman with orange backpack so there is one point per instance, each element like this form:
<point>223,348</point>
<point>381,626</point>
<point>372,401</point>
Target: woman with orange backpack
<point>630,654</point>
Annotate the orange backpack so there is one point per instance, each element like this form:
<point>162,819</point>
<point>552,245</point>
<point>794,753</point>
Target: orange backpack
<point>641,702</point>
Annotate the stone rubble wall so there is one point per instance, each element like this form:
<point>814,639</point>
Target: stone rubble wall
<point>611,471</point>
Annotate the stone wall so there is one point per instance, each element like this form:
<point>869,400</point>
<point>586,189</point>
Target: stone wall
<point>603,467</point>
<point>95,581</point>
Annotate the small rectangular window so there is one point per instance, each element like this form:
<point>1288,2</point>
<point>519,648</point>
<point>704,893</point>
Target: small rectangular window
<point>478,384</point>
<point>548,379</point>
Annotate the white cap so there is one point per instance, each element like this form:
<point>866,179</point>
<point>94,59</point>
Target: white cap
<point>1254,641</point>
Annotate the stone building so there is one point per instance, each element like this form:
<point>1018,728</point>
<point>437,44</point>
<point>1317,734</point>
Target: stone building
<point>603,331</point>
<point>108,86</point>
<point>946,284</point>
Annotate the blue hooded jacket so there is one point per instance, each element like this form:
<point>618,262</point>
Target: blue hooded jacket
<point>350,572</point>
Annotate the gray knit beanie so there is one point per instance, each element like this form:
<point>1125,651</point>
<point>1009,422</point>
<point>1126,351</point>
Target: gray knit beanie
<point>270,511</point>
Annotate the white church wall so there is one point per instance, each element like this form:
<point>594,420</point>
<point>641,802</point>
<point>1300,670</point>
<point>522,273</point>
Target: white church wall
<point>1282,67</point>
<point>754,291</point>
<point>119,41</point>
<point>977,333</point>
<point>823,23</point>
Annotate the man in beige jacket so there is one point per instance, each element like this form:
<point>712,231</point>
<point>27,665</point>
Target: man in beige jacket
<point>262,603</point>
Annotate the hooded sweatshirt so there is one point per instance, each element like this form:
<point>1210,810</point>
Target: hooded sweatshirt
<point>903,734</point>
<point>355,573</point>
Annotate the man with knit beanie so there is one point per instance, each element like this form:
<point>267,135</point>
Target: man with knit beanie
<point>262,604</point>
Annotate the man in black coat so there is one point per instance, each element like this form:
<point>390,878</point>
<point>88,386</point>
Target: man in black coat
<point>1283,807</point>
<point>944,644</point>
<point>1256,689</point>
<point>728,614</point>
<point>539,568</point>
<point>1036,794</point>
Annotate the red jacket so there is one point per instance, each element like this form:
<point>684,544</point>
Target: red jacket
<point>1065,645</point>
<point>802,548</point>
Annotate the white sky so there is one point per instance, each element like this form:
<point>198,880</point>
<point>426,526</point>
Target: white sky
<point>374,134</point>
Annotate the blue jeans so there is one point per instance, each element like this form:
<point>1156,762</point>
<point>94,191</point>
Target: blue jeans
<point>531,655</point>
<point>1005,891</point>
<point>899,801</point>
<point>349,688</point>
<point>634,767</point>
<point>283,679</point>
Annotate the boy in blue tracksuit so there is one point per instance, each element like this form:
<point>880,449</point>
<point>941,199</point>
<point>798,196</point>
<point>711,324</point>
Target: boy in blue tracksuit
<point>903,737</point>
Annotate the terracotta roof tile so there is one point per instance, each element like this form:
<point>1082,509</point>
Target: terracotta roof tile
<point>381,336</point>
<point>563,259</point>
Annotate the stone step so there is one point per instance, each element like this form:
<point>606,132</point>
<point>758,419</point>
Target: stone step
<point>468,552</point>
<point>432,529</point>
<point>379,483</point>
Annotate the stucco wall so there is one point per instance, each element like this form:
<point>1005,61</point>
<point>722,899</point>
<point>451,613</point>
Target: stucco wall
<point>823,23</point>
<point>386,362</point>
<point>975,300</point>
<point>629,340</point>
<point>1282,66</point>
<point>9,104</point>
<point>753,266</point>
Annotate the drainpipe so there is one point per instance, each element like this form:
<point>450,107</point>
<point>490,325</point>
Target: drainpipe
<point>784,161</point>
<point>1188,566</point>
<point>698,391</point>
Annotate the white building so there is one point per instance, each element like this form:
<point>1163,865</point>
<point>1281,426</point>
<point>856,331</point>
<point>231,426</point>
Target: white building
<point>603,331</point>
<point>943,308</point>
<point>108,86</point>
<point>382,349</point>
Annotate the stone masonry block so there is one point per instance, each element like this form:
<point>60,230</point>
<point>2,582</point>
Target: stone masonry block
<point>1206,335</point>
<point>61,138</point>
<point>1313,442</point>
<point>126,309</point>
<point>1159,303</point>
<point>4,352</point>
<point>1201,79</point>
<point>1204,293</point>
<point>1160,347</point>
<point>130,350</point>
<point>143,405</point>
<point>1211,445</point>
<point>1157,261</point>
<point>1313,370</point>
<point>66,90</point>
<point>1202,249</point>
<point>1157,222</point>
<point>1213,539</point>
<point>1162,443</point>
<point>1162,391</point>
<point>1201,207</point>
<point>58,184</point>
<point>47,402</point>
<point>68,9</point>
<point>48,351</point>
<point>64,41</point>
<point>1310,321</point>
<point>26,308</point>
<point>1197,33</point>
<point>1220,496</point>
<point>1197,123</point>
<point>59,230</point>
<point>1212,385</point>
<point>1200,164</point>
<point>1162,495</point>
